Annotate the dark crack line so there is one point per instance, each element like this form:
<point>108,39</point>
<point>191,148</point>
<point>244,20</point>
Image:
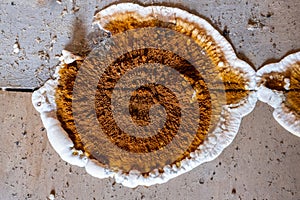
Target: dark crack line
<point>18,89</point>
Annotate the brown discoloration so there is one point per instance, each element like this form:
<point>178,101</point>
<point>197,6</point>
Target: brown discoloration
<point>295,76</point>
<point>233,81</point>
<point>293,101</point>
<point>275,81</point>
<point>63,97</point>
<point>293,95</point>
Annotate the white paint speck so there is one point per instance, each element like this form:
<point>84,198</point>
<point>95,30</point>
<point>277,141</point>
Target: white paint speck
<point>51,197</point>
<point>16,48</point>
<point>286,83</point>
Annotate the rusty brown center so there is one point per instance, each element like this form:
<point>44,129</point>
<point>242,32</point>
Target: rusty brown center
<point>144,98</point>
<point>141,102</point>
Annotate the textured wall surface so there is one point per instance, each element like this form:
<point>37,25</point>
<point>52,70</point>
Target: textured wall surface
<point>260,31</point>
<point>262,162</point>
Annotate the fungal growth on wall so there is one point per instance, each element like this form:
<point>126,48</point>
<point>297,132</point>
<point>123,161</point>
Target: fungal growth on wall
<point>163,93</point>
<point>279,86</point>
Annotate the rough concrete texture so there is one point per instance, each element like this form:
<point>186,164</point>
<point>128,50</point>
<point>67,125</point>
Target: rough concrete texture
<point>260,31</point>
<point>261,163</point>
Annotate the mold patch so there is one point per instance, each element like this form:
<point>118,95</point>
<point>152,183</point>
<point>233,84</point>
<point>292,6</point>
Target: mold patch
<point>164,38</point>
<point>279,86</point>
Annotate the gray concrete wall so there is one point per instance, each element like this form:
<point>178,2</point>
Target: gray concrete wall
<point>261,163</point>
<point>42,28</point>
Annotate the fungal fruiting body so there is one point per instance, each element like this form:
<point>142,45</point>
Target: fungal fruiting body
<point>177,67</point>
<point>279,86</point>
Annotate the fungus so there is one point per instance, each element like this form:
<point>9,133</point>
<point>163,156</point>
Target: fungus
<point>163,94</point>
<point>279,86</point>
